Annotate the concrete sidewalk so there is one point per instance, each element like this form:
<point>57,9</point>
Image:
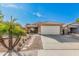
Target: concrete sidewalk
<point>58,53</point>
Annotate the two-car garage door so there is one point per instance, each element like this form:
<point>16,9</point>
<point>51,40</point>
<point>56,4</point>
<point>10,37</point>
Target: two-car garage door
<point>50,29</point>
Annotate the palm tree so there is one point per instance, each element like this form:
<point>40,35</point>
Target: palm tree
<point>12,29</point>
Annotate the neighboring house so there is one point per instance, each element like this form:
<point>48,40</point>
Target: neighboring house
<point>45,28</point>
<point>73,27</point>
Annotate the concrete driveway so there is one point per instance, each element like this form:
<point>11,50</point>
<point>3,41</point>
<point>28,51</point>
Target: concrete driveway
<point>60,42</point>
<point>56,45</point>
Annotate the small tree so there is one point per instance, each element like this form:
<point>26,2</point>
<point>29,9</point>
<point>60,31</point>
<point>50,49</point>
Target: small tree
<point>77,20</point>
<point>11,29</point>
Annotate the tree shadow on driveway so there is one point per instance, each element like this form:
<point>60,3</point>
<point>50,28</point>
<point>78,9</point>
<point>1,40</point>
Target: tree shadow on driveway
<point>64,38</point>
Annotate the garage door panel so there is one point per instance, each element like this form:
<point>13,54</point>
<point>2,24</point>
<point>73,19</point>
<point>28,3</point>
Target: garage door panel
<point>50,29</point>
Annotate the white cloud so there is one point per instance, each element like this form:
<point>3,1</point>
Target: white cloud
<point>37,14</point>
<point>10,5</point>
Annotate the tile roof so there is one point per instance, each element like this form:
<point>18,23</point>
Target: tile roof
<point>36,24</point>
<point>48,23</point>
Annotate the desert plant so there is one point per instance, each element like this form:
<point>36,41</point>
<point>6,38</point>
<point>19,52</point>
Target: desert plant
<point>11,29</point>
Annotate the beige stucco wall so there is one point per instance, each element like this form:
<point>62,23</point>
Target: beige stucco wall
<point>50,30</point>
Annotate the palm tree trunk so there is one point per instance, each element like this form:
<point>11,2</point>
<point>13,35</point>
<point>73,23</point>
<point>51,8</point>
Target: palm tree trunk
<point>10,40</point>
<point>3,43</point>
<point>17,40</point>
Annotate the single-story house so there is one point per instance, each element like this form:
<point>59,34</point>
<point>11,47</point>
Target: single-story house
<point>73,27</point>
<point>45,28</point>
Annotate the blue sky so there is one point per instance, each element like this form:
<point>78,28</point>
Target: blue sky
<point>39,12</point>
